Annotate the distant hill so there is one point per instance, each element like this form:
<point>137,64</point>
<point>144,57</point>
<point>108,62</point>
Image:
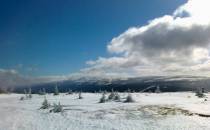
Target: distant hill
<point>87,84</point>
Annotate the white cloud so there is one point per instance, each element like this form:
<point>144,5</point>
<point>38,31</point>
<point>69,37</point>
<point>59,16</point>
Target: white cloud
<point>197,9</point>
<point>11,78</point>
<point>176,44</point>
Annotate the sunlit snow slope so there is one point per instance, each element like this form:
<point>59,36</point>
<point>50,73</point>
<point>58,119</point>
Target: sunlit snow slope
<point>164,111</point>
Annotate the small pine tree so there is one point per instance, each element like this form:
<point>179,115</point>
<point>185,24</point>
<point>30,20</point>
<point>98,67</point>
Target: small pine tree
<point>70,92</point>
<point>157,89</point>
<point>112,95</point>
<point>29,93</point>
<point>199,93</point>
<point>25,92</point>
<point>40,92</point>
<point>105,92</point>
<point>103,98</point>
<point>117,97</point>
<point>22,98</point>
<point>203,90</point>
<point>80,95</point>
<point>57,108</point>
<point>129,99</point>
<point>44,91</point>
<point>45,104</point>
<point>56,92</point>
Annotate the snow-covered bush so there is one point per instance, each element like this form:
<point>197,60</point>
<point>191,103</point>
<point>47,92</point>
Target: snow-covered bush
<point>45,104</point>
<point>129,98</point>
<point>57,108</point>
<point>56,92</point>
<point>103,98</point>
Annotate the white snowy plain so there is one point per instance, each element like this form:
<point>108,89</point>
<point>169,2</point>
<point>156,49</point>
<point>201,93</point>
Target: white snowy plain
<point>88,114</point>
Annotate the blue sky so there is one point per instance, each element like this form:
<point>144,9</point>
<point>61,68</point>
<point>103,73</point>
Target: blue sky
<point>53,37</point>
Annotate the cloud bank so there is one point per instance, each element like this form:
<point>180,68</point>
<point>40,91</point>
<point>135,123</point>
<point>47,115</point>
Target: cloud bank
<point>12,78</point>
<point>176,44</point>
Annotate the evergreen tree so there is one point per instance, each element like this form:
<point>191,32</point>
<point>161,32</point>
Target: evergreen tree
<point>103,98</point>
<point>117,97</point>
<point>80,95</point>
<point>29,93</point>
<point>128,90</point>
<point>129,99</point>
<point>203,90</point>
<point>22,98</point>
<point>56,90</point>
<point>199,93</point>
<point>45,104</point>
<point>112,95</point>
<point>57,108</point>
<point>25,92</point>
<point>70,91</point>
<point>157,89</point>
<point>42,91</point>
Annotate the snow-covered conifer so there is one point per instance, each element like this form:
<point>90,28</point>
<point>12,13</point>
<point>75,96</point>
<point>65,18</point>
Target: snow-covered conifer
<point>112,95</point>
<point>56,92</point>
<point>45,104</point>
<point>42,91</point>
<point>80,95</point>
<point>129,98</point>
<point>199,93</point>
<point>70,91</point>
<point>29,93</point>
<point>57,108</point>
<point>157,89</point>
<point>116,97</point>
<point>22,98</point>
<point>103,98</point>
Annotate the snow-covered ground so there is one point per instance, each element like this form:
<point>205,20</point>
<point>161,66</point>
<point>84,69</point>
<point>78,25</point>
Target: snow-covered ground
<point>164,111</point>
